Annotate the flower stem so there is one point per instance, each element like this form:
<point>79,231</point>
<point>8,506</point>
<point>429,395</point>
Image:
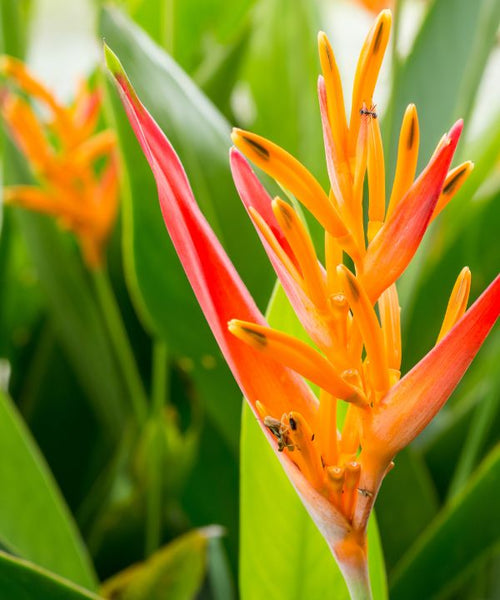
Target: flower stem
<point>352,558</point>
<point>154,519</point>
<point>121,344</point>
<point>358,580</point>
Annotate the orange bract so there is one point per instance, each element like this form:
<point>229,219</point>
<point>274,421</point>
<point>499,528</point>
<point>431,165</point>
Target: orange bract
<point>63,152</point>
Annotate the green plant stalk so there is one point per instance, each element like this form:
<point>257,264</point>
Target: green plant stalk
<point>155,459</point>
<point>160,378</point>
<point>121,344</point>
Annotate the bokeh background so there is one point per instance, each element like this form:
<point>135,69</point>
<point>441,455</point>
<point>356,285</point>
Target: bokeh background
<point>201,67</point>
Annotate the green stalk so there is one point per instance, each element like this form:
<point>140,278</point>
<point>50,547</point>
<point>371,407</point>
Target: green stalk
<point>160,377</point>
<point>121,344</point>
<point>156,449</point>
<point>357,579</point>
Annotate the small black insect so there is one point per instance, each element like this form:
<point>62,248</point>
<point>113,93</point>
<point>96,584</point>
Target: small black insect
<point>365,493</point>
<point>371,112</point>
<point>280,432</point>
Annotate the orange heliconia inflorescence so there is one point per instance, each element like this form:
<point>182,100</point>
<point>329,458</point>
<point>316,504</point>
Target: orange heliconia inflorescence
<point>76,169</point>
<point>335,459</point>
<point>358,353</point>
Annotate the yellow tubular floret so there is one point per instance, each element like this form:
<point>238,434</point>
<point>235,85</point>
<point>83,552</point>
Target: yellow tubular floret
<point>349,440</point>
<point>454,181</point>
<point>376,179</point>
<point>367,322</point>
<point>292,176</point>
<point>333,258</point>
<point>339,309</point>
<point>359,172</point>
<point>406,166</point>
<point>389,310</point>
<point>296,355</point>
<point>270,238</point>
<point>335,482</point>
<point>303,438</point>
<point>352,474</point>
<point>367,71</point>
<point>335,95</point>
<point>326,429</point>
<point>457,303</point>
<point>303,249</point>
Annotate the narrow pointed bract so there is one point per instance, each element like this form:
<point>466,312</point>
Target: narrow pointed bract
<point>355,355</point>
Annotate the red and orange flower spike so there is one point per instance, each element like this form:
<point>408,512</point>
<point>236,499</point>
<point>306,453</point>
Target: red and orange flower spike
<point>63,152</point>
<point>336,473</point>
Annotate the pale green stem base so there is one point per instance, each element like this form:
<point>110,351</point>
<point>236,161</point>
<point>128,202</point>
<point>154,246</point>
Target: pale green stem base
<point>358,582</point>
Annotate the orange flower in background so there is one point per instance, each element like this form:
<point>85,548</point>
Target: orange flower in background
<point>375,6</point>
<point>76,169</point>
<point>351,317</point>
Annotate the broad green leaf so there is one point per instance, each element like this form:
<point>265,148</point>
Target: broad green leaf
<point>462,434</point>
<point>281,71</point>
<point>440,67</point>
<point>282,553</point>
<point>484,42</point>
<point>21,302</point>
<point>176,571</point>
<point>191,31</point>
<point>158,284</point>
<point>279,79</point>
<point>14,17</point>
<point>77,318</point>
<point>406,504</point>
<point>34,520</point>
<point>439,76</point>
<point>23,580</point>
<point>219,573</point>
<point>464,531</point>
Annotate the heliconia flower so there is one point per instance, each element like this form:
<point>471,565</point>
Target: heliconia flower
<point>63,152</point>
<point>375,6</point>
<point>357,353</point>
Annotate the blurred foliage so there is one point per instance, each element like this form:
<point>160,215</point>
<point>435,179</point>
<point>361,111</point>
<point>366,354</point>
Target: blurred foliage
<point>138,490</point>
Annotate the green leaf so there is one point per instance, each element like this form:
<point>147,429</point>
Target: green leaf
<point>22,300</point>
<point>156,280</point>
<point>282,553</point>
<point>23,580</point>
<point>406,504</point>
<point>455,540</point>
<point>279,77</point>
<point>467,427</point>
<point>438,73</point>
<point>34,520</point>
<point>77,319</point>
<point>176,571</point>
<point>191,31</point>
